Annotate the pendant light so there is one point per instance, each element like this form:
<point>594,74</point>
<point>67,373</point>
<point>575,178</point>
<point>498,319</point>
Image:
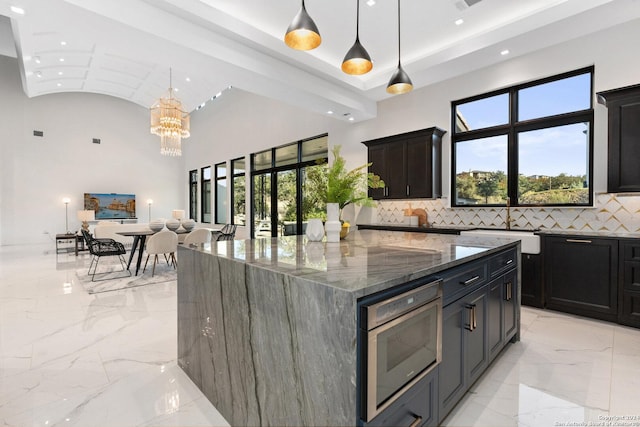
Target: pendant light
<point>302,33</point>
<point>357,61</point>
<point>400,81</point>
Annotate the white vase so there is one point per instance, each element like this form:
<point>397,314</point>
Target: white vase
<point>156,225</point>
<point>172,224</point>
<point>315,230</point>
<point>188,224</point>
<point>333,224</point>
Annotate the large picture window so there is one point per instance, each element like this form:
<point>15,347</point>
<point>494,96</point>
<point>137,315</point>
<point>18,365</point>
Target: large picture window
<point>531,143</point>
<point>282,202</point>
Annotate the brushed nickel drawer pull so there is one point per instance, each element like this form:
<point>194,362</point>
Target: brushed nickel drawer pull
<point>509,261</point>
<point>471,325</point>
<point>578,241</point>
<point>469,281</point>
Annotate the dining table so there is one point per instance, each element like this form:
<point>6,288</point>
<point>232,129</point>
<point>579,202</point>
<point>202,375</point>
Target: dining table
<point>139,241</point>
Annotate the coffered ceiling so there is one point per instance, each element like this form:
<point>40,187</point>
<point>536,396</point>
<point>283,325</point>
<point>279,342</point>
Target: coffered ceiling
<point>125,48</point>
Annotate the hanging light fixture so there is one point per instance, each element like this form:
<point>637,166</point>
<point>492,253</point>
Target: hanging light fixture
<point>357,60</point>
<point>302,33</point>
<point>400,81</point>
<point>170,123</point>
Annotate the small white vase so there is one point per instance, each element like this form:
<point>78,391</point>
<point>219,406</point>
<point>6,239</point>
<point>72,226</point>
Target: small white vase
<point>172,224</point>
<point>315,230</point>
<point>333,224</point>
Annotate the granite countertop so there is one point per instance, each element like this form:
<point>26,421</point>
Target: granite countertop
<point>366,261</point>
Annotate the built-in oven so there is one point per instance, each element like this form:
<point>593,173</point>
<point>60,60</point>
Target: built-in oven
<point>400,343</point>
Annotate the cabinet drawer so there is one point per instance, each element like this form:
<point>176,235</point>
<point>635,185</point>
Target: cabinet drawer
<point>503,262</point>
<point>418,405</point>
<point>462,280</point>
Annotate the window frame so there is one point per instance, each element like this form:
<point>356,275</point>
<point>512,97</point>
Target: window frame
<point>193,196</point>
<point>235,175</point>
<point>216,216</point>
<point>515,127</point>
<point>203,195</point>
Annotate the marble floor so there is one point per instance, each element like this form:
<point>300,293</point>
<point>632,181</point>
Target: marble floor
<point>68,358</point>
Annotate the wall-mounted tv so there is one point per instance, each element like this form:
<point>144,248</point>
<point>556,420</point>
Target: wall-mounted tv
<point>111,205</point>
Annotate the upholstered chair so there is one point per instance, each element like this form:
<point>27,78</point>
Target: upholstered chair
<point>164,242</point>
<point>197,236</point>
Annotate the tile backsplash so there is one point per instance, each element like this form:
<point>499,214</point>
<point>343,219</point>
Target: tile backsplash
<point>611,212</point>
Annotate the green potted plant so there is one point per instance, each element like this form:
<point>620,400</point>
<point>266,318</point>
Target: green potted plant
<point>344,187</point>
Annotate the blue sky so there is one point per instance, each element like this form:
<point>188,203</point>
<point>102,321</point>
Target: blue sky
<point>546,152</point>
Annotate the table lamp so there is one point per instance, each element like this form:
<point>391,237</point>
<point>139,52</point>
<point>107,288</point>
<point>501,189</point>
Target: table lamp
<point>66,201</point>
<point>177,214</point>
<point>85,217</point>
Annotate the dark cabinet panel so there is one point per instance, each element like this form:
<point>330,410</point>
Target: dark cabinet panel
<point>629,310</point>
<point>532,280</point>
<point>581,276</point>
<point>510,302</point>
<point>409,164</point>
<point>503,311</point>
<point>624,138</point>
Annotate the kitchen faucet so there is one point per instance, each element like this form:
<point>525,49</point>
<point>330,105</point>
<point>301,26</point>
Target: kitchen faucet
<point>508,220</point>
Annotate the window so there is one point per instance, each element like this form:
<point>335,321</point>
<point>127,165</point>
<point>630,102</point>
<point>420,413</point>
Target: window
<point>221,193</point>
<point>238,191</point>
<point>193,194</point>
<point>206,194</point>
<point>282,202</point>
<point>531,143</point>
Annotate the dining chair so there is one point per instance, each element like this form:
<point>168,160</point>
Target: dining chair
<point>165,243</point>
<point>103,247</point>
<point>197,236</point>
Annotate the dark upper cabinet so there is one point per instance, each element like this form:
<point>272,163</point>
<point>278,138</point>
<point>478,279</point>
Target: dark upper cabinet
<point>409,164</point>
<point>623,106</point>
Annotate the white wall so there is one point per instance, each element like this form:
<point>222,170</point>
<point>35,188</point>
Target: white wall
<point>37,173</point>
<point>246,123</point>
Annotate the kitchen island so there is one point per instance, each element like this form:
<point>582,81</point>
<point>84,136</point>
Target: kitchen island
<point>268,328</point>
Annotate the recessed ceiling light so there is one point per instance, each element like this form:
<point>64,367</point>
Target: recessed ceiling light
<point>60,73</point>
<point>18,10</point>
<point>59,84</point>
<point>36,59</point>
<point>39,74</point>
<point>351,119</point>
<point>63,43</point>
<point>459,21</point>
<point>61,59</point>
<point>329,112</point>
<point>371,2</point>
<point>504,52</point>
<point>188,79</point>
<point>176,89</point>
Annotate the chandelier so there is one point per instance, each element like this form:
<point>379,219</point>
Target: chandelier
<point>170,123</point>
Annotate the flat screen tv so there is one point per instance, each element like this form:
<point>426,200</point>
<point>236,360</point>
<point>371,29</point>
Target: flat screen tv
<point>111,205</point>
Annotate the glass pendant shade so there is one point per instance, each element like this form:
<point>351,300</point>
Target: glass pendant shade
<point>357,60</point>
<point>400,82</point>
<point>171,123</point>
<point>302,33</point>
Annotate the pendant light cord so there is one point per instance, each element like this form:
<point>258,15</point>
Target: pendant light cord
<point>357,20</point>
<point>398,33</point>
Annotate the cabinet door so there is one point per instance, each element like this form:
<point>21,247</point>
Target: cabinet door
<point>581,276</point>
<point>476,349</point>
<point>451,368</point>
<point>496,317</point>
<point>510,304</point>
<point>423,172</point>
<point>377,159</point>
<point>629,313</point>
<point>395,171</point>
<point>532,280</point>
<point>624,150</point>
<point>623,104</point>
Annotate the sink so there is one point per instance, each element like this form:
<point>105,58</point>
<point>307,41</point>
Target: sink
<point>530,242</point>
